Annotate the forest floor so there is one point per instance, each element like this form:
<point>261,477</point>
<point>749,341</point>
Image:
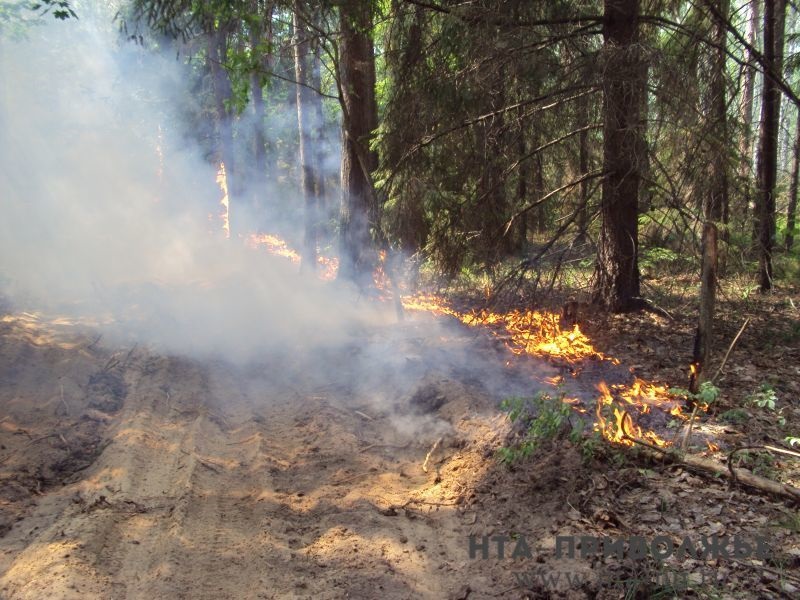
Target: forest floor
<point>129,474</point>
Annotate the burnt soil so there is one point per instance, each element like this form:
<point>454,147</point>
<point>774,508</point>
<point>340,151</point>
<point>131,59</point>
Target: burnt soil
<point>129,474</point>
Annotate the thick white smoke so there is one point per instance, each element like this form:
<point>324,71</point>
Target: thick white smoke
<point>92,223</point>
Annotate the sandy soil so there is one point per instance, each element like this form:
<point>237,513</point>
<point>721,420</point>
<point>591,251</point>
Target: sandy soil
<point>127,474</point>
<point>131,475</point>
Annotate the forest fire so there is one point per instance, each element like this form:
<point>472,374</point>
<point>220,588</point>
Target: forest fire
<point>619,401</point>
<point>538,333</point>
<point>328,266</point>
<point>528,333</point>
<point>274,245</point>
<point>222,181</point>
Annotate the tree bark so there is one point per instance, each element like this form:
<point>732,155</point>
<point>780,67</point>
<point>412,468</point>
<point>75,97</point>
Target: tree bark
<point>318,134</point>
<point>716,197</point>
<point>767,167</point>
<point>222,93</point>
<point>583,167</point>
<point>260,31</point>
<point>305,152</point>
<point>791,210</point>
<point>359,120</point>
<point>748,87</point>
<point>616,284</point>
<point>520,231</point>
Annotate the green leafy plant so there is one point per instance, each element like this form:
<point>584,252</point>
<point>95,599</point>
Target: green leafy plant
<point>759,463</point>
<point>766,398</point>
<point>735,416</point>
<point>542,418</point>
<point>705,396</point>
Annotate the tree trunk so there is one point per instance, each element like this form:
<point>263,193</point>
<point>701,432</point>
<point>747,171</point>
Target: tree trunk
<point>708,285</point>
<point>774,15</point>
<point>520,230</point>
<point>583,168</point>
<point>616,283</point>
<point>748,87</point>
<point>261,167</point>
<point>716,197</point>
<point>222,94</point>
<point>305,152</point>
<point>359,119</point>
<point>791,210</point>
<point>318,127</point>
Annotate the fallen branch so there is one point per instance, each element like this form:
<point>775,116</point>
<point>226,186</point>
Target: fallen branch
<point>363,415</point>
<point>708,466</point>
<point>64,402</point>
<point>395,446</point>
<point>349,479</point>
<point>687,435</point>
<point>428,456</point>
<point>730,349</point>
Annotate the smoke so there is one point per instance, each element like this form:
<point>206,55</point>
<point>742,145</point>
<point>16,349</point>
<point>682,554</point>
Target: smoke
<point>107,209</point>
<point>111,210</point>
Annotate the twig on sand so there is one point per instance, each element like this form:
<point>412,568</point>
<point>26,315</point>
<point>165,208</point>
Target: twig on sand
<point>395,446</point>
<point>244,441</point>
<point>363,415</point>
<point>208,464</point>
<point>428,456</point>
<point>351,478</point>
<point>128,355</point>
<point>64,402</point>
<point>97,339</point>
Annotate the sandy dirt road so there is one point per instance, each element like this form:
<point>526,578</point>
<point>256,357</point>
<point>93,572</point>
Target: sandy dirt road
<point>203,480</point>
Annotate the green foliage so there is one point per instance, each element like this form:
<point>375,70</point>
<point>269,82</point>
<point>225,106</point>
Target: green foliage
<point>760,463</point>
<point>658,257</point>
<point>766,398</point>
<point>790,521</point>
<point>17,17</point>
<point>542,418</point>
<point>706,394</point>
<point>735,416</point>
<point>60,9</point>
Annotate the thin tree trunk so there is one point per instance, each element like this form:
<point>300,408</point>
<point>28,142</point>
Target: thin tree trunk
<point>791,210</point>
<point>583,167</point>
<point>616,283</point>
<point>318,132</point>
<point>260,32</point>
<point>774,15</point>
<point>222,94</point>
<point>748,87</point>
<point>359,120</point>
<point>523,175</point>
<point>716,198</point>
<point>495,207</point>
<point>305,152</point>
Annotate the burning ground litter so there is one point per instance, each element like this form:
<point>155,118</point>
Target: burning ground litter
<point>540,334</point>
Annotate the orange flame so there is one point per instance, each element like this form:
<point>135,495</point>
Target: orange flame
<point>222,181</point>
<point>532,333</point>
<point>273,244</point>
